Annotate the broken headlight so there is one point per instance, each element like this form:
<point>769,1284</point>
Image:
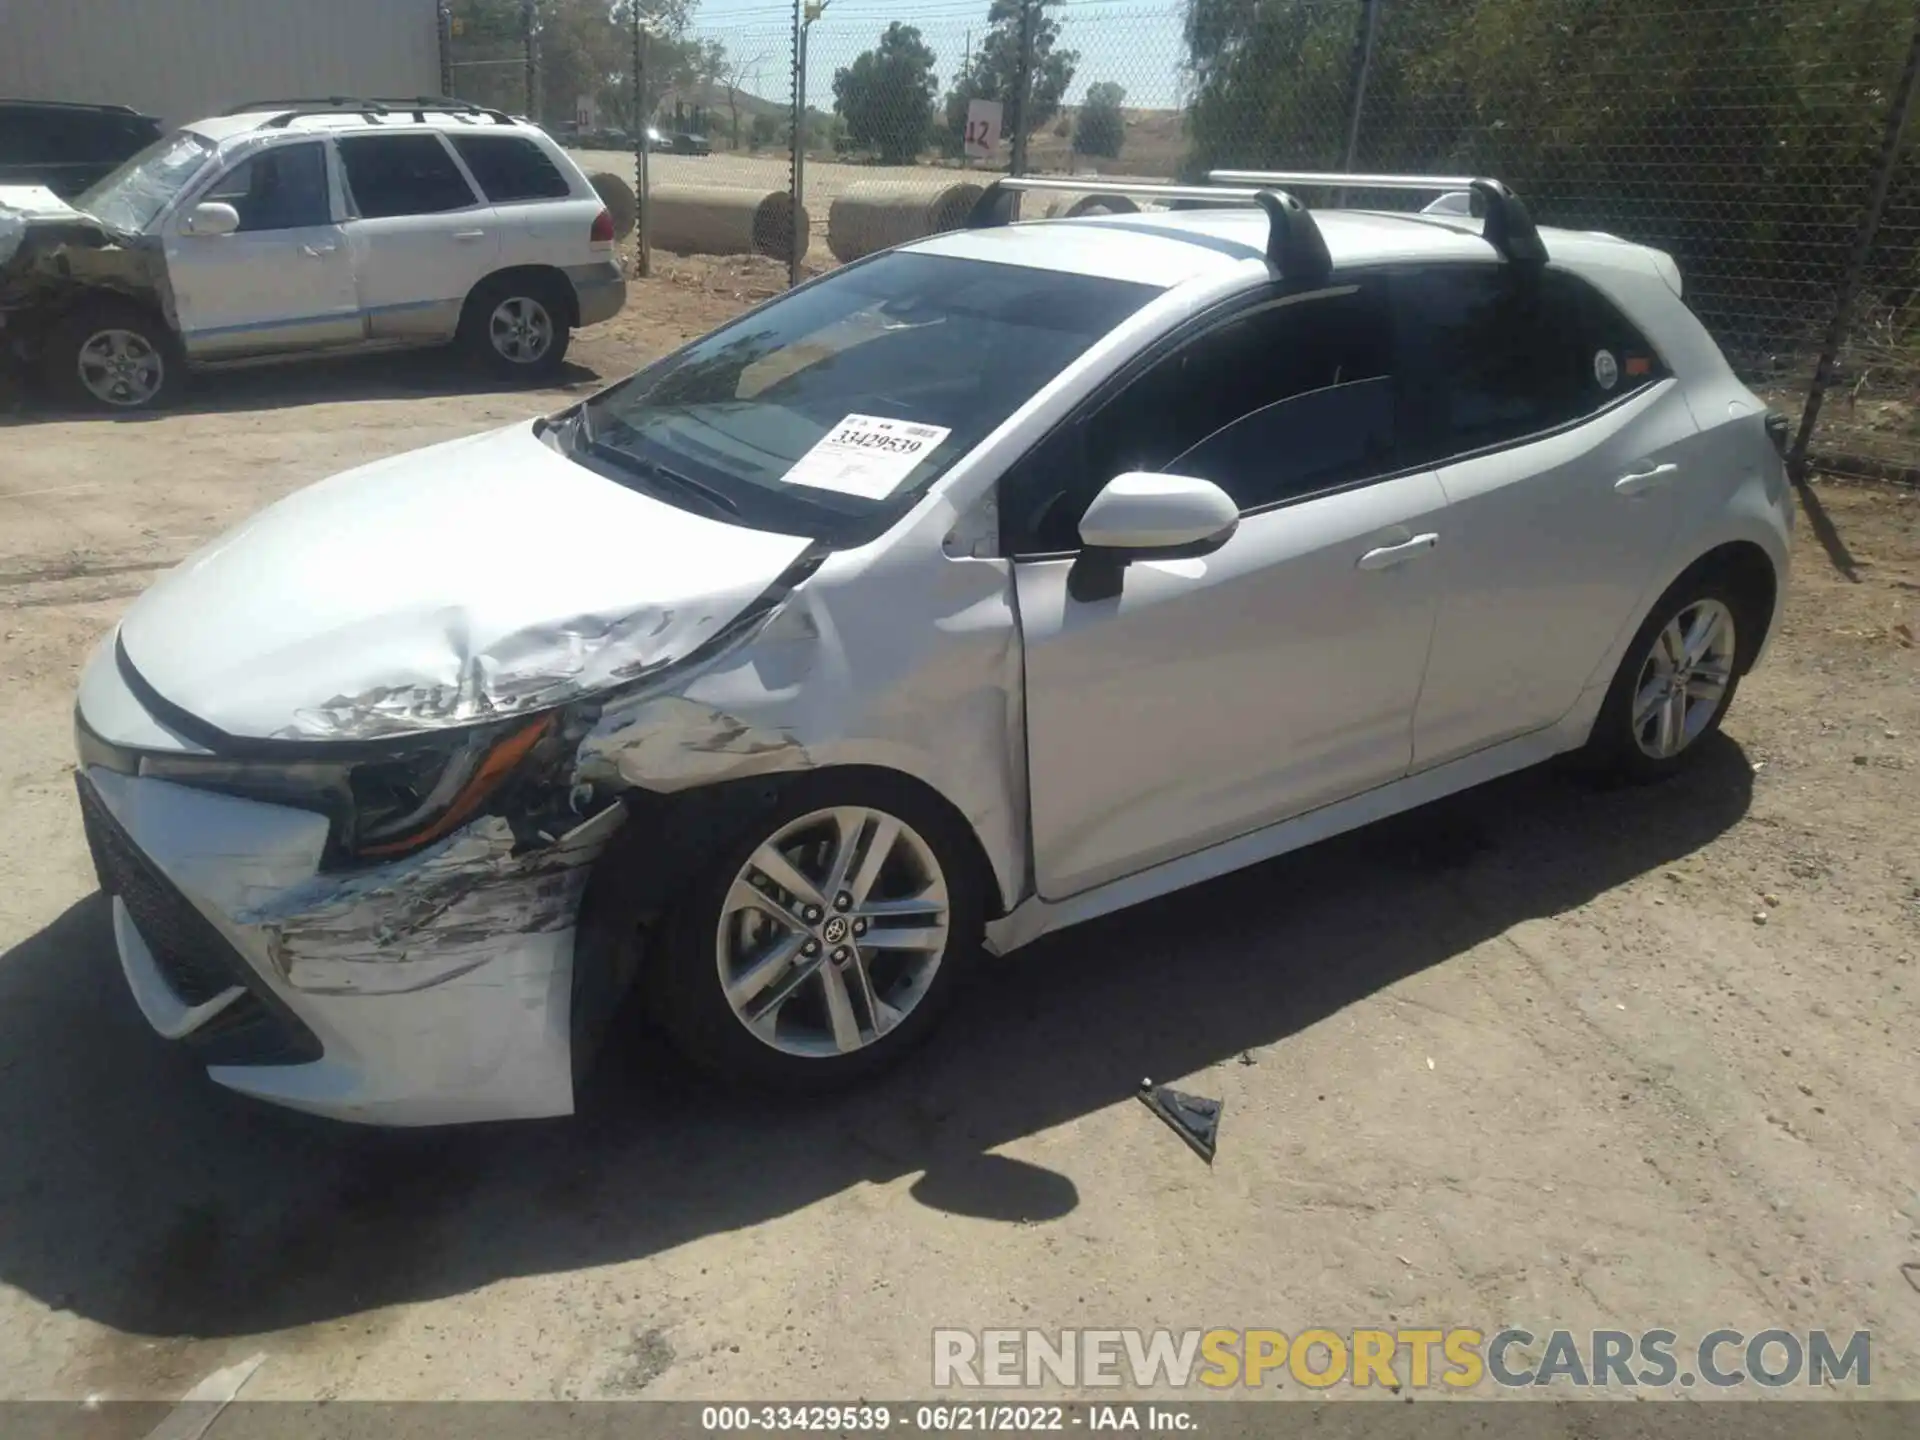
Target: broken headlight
<point>381,805</point>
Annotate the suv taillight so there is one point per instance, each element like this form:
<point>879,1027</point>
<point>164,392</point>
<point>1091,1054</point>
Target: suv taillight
<point>602,233</point>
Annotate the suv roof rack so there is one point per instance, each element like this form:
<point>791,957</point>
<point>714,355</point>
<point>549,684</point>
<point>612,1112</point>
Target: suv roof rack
<point>107,109</point>
<point>1509,229</point>
<point>1294,243</point>
<point>374,109</point>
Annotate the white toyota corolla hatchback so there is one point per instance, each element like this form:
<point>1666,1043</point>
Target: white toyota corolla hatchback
<point>987,585</point>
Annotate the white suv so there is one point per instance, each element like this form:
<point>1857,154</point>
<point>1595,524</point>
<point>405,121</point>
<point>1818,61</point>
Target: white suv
<point>290,228</point>
<point>966,592</point>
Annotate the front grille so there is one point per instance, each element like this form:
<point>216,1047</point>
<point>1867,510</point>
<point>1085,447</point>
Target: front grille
<point>193,957</point>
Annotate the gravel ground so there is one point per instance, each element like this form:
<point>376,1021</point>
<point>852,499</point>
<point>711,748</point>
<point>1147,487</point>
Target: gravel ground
<point>1540,1055</point>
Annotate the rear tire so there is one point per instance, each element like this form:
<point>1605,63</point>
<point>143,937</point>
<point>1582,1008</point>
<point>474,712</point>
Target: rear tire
<point>845,1004</point>
<point>1676,681</point>
<point>113,356</point>
<point>516,327</point>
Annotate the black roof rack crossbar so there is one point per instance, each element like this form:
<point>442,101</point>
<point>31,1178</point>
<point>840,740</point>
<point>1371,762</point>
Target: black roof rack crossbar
<point>1294,244</point>
<point>1509,228</point>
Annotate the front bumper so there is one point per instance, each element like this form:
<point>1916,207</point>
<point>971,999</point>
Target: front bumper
<point>600,290</point>
<point>432,990</point>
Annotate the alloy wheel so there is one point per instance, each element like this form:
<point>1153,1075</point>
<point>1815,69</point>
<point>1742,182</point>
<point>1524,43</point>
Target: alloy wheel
<point>832,931</point>
<point>520,329</point>
<point>1683,680</point>
<point>121,368</point>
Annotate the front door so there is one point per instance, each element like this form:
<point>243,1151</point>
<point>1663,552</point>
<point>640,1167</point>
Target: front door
<point>284,279</point>
<point>1220,694</point>
<point>421,238</point>
<point>1558,437</point>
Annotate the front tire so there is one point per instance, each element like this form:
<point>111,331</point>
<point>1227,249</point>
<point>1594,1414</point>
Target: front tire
<point>1676,682</point>
<point>114,356</point>
<point>517,328</point>
<point>820,946</point>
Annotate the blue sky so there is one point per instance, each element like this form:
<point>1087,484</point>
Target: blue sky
<point>1134,42</point>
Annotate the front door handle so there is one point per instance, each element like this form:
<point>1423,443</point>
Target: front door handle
<point>1387,556</point>
<point>469,234</point>
<point>316,252</point>
<point>1634,481</point>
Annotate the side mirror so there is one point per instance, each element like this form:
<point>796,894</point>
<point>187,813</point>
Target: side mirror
<point>1142,516</point>
<point>212,218</point>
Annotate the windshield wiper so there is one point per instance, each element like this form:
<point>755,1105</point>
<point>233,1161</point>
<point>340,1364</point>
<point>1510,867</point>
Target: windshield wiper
<point>584,439</point>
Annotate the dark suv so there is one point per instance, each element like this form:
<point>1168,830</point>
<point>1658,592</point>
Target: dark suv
<point>67,147</point>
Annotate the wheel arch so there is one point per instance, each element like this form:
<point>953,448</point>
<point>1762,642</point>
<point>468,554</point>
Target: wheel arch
<point>550,278</point>
<point>666,841</point>
<point>1749,571</point>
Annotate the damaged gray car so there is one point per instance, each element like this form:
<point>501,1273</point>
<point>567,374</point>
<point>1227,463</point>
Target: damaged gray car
<point>967,592</point>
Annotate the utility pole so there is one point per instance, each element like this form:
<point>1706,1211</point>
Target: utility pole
<point>529,17</point>
<point>1023,84</point>
<point>1362,65</point>
<point>642,239</point>
<point>966,75</point>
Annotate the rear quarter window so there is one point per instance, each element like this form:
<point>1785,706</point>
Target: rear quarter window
<point>511,167</point>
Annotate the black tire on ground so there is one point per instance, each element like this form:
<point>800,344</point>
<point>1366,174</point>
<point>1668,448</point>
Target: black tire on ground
<point>1612,750</point>
<point>113,332</point>
<point>534,296</point>
<point>683,972</point>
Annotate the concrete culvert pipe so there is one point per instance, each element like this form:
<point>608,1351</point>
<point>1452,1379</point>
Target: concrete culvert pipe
<point>617,196</point>
<point>872,215</point>
<point>1094,205</point>
<point>711,220</point>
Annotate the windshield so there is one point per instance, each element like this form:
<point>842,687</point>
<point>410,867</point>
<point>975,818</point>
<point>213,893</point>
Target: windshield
<point>827,412</point>
<point>131,196</point>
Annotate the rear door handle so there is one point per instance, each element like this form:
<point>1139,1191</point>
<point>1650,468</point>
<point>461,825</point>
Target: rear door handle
<point>469,234</point>
<point>315,252</point>
<point>1634,481</point>
<point>1387,556</point>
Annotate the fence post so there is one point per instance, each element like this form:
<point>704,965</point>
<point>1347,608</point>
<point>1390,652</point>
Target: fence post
<point>443,29</point>
<point>797,140</point>
<point>642,239</point>
<point>1857,262</point>
<point>1023,87</point>
<point>1362,64</point>
<point>529,11</point>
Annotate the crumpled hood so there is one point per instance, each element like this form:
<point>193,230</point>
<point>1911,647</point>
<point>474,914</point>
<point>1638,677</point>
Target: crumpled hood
<point>473,579</point>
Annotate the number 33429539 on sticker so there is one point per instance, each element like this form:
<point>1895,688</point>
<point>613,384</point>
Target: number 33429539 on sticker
<point>866,455</point>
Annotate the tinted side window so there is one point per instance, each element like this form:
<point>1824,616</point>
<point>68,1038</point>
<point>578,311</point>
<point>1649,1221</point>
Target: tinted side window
<point>1285,400</point>
<point>1489,355</point>
<point>511,167</point>
<point>280,189</point>
<point>403,175</point>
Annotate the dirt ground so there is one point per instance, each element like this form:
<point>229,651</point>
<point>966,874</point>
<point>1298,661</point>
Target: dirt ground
<point>1541,1055</point>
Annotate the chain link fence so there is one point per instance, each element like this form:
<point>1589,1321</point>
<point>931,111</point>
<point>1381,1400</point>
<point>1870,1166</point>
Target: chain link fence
<point>1745,137</point>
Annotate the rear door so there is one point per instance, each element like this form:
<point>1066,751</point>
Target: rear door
<point>540,221</point>
<point>420,237</point>
<point>1558,435</point>
<point>283,280</point>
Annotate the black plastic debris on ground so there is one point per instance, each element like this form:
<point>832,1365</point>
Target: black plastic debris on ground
<point>1194,1118</point>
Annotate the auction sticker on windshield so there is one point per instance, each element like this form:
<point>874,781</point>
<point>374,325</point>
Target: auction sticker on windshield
<point>866,455</point>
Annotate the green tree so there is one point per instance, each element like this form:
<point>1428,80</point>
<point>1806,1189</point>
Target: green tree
<point>1101,128</point>
<point>886,96</point>
<point>993,71</point>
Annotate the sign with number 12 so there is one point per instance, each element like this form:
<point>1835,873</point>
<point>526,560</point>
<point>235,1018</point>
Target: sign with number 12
<point>983,129</point>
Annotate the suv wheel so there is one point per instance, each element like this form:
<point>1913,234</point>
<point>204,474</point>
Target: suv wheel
<point>517,328</point>
<point>821,945</point>
<point>110,355</point>
<point>1674,685</point>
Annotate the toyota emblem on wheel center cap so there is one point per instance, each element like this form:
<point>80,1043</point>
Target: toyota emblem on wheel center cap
<point>835,930</point>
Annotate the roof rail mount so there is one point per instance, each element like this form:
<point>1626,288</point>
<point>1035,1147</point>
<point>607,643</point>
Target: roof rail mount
<point>1508,228</point>
<point>1295,246</point>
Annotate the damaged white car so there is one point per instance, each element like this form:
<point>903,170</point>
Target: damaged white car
<point>967,592</point>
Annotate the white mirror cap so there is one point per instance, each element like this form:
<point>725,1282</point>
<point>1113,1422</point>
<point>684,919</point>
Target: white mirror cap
<point>1141,511</point>
<point>1454,202</point>
<point>213,218</point>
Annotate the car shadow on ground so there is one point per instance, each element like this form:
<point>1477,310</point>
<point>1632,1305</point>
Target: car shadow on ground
<point>137,1194</point>
<point>402,375</point>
